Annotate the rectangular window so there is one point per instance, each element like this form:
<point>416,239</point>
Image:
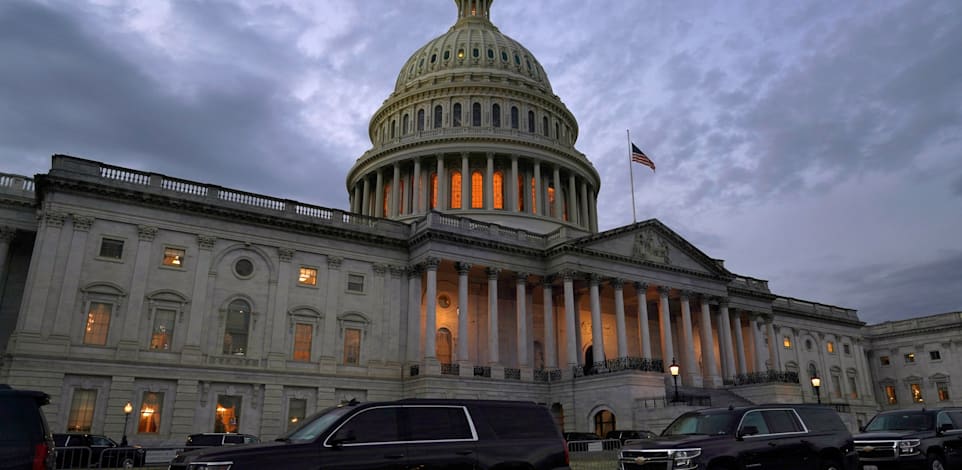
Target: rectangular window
<point>174,257</point>
<point>890,394</point>
<point>884,360</point>
<point>830,347</point>
<point>851,386</point>
<point>296,411</point>
<point>909,358</point>
<point>149,419</point>
<point>307,277</point>
<point>303,335</point>
<point>916,393</point>
<point>935,355</point>
<point>227,413</point>
<point>98,323</point>
<point>943,388</point>
<point>111,248</point>
<point>163,332</point>
<point>352,346</point>
<point>355,283</point>
<point>836,386</point>
<point>81,415</point>
<point>847,349</point>
<point>787,342</point>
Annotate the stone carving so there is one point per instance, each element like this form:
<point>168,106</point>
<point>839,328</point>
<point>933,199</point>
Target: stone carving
<point>617,282</point>
<point>462,267</point>
<point>206,242</point>
<point>146,233</point>
<point>568,275</point>
<point>396,271</point>
<point>650,246</point>
<point>334,262</point>
<point>641,286</point>
<point>54,218</point>
<point>432,263</point>
<point>493,272</point>
<point>379,269</point>
<point>82,223</point>
<point>521,277</point>
<point>285,254</point>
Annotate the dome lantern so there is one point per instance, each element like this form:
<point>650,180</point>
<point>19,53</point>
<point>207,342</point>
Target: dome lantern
<point>468,9</point>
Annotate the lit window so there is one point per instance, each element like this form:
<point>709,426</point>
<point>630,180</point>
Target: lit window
<point>98,323</point>
<point>149,419</point>
<point>477,190</point>
<point>296,411</point>
<point>174,257</point>
<point>909,358</point>
<point>237,328</point>
<point>460,53</point>
<point>521,193</point>
<point>455,189</point>
<point>352,346</point>
<point>434,190</point>
<point>81,415</point>
<point>355,283</point>
<point>890,394</point>
<point>830,347</point>
<point>498,190</point>
<point>604,422</point>
<point>385,200</point>
<point>163,331</point>
<point>307,276</point>
<point>227,413</point>
<point>935,355</point>
<point>303,336</point>
<point>111,248</point>
<point>787,342</point>
<point>943,388</point>
<point>916,393</point>
<point>884,360</point>
<point>551,198</point>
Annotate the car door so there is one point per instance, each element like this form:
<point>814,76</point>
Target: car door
<point>951,437</point>
<point>369,439</point>
<point>764,448</point>
<point>440,437</point>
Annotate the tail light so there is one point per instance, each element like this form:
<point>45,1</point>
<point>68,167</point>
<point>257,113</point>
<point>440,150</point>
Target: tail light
<point>40,452</point>
<point>567,456</point>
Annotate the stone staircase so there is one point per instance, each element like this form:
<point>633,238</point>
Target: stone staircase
<point>720,398</point>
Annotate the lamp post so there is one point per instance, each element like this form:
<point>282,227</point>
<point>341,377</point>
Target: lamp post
<point>128,408</point>
<point>674,369</point>
<point>816,384</point>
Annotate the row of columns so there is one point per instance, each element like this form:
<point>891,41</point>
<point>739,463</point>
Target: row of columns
<point>571,191</point>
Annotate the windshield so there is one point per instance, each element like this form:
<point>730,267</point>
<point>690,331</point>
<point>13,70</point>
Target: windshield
<point>316,424</point>
<point>900,422</point>
<point>700,423</point>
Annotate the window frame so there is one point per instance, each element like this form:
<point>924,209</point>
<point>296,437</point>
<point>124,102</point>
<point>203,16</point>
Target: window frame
<point>159,412</point>
<point>250,324</point>
<point>353,321</point>
<point>798,420</point>
<point>113,238</point>
<point>233,267</point>
<point>347,283</point>
<point>935,355</point>
<point>299,273</point>
<point>305,315</point>
<point>183,258</point>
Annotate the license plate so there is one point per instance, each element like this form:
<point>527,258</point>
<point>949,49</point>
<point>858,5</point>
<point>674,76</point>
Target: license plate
<point>869,467</point>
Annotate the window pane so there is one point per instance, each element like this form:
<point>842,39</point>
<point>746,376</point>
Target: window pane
<point>476,114</point>
<point>352,346</point>
<point>433,423</point>
<point>303,335</point>
<point>477,190</point>
<point>296,410</point>
<point>81,410</point>
<point>916,393</point>
<point>890,394</point>
<point>456,115</point>
<point>227,413</point>
<point>754,418</point>
<point>98,323</point>
<point>385,198</point>
<point>437,117</point>
<point>111,248</point>
<point>496,115</point>
<point>355,283</point>
<point>236,329</point>
<point>307,276</point>
<point>514,117</point>
<point>498,190</point>
<point>456,190</point>
<point>372,425</point>
<point>434,190</point>
<point>780,421</point>
<point>163,331</point>
<point>149,420</point>
<point>174,257</point>
<point>534,197</point>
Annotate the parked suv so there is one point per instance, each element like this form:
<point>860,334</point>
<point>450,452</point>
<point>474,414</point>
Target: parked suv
<point>450,434</point>
<point>627,434</point>
<point>788,437</point>
<point>80,450</point>
<point>906,439</point>
<point>25,440</point>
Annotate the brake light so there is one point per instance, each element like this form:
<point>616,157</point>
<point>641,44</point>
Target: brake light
<point>567,457</point>
<point>40,452</point>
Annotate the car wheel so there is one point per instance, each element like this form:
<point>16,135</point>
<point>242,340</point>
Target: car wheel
<point>128,463</point>
<point>830,464</point>
<point>936,462</point>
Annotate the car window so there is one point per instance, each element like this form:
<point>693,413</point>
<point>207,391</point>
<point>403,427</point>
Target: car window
<point>427,423</point>
<point>518,422</point>
<point>755,418</point>
<point>701,423</point>
<point>370,426</point>
<point>233,439</point>
<point>250,439</point>
<point>781,421</point>
<point>900,421</point>
<point>956,417</point>
<point>205,440</point>
<point>943,419</point>
<point>821,419</point>
<point>100,441</point>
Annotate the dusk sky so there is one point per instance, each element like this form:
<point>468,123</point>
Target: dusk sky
<point>815,144</point>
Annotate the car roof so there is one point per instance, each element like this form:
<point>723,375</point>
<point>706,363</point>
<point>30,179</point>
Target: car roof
<point>40,397</point>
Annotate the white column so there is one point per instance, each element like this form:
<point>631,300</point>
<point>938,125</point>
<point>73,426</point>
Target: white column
<point>379,194</point>
<point>865,373</point>
<point>138,285</point>
<point>550,345</point>
<point>521,297</point>
<point>366,199</point>
<point>431,311</point>
<point>489,183</point>
<point>558,202</point>
<point>739,342</point>
<point>414,314</point>
<point>759,343</point>
<point>463,313</point>
<point>664,317</point>
<point>396,191</point>
<point>416,189</point>
<point>690,371</point>
<point>75,258</point>
<point>641,290</point>
<point>513,185</point>
<point>538,203</point>
<point>593,209</point>
<point>708,345</point>
<point>597,331</point>
<point>40,274</point>
<point>585,218</point>
<point>570,326</point>
<point>278,324</point>
<point>465,182</point>
<point>442,185</point>
<point>772,345</point>
<point>725,333</point>
<point>573,216</point>
<point>494,342</point>
<point>622,332</point>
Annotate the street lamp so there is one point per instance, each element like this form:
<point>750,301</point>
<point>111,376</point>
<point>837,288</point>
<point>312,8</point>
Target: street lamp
<point>674,368</point>
<point>817,384</point>
<point>128,408</point>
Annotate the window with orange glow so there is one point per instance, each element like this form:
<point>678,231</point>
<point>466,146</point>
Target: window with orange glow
<point>564,204</point>
<point>303,335</point>
<point>174,257</point>
<point>296,411</point>
<point>81,416</point>
<point>307,276</point>
<point>455,189</point>
<point>477,190</point>
<point>434,190</point>
<point>163,331</point>
<point>521,193</point>
<point>98,323</point>
<point>352,346</point>
<point>149,419</point>
<point>551,201</point>
<point>385,199</point>
<point>498,190</point>
<point>227,413</point>
<point>534,197</point>
<point>400,202</point>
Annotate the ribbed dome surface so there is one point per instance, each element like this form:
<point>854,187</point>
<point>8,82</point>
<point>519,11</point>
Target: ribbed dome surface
<point>473,45</point>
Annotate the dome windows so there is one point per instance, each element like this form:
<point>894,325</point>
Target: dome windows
<point>491,54</point>
<point>514,117</point>
<point>460,53</point>
<point>420,120</point>
<point>517,60</point>
<point>496,115</point>
<point>544,126</point>
<point>447,55</point>
<point>476,115</point>
<point>531,121</point>
<point>437,117</point>
<point>476,53</point>
<point>504,56</point>
<point>456,115</point>
<point>434,58</point>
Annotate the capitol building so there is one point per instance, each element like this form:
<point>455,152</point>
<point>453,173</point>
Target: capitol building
<point>470,264</point>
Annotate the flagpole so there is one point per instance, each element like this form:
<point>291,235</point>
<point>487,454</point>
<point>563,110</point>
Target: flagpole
<point>631,174</point>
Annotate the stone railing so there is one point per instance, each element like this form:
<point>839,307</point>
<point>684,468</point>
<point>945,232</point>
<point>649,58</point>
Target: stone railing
<point>771,376</point>
<point>482,371</point>
<point>16,183</point>
<point>512,373</point>
<point>750,283</point>
<point>450,369</point>
<point>451,223</point>
<point>620,364</point>
<point>547,375</point>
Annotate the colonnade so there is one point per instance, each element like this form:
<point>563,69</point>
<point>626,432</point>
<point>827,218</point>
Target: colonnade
<point>494,182</point>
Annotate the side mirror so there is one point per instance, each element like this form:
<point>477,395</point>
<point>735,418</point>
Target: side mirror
<point>747,431</point>
<point>340,439</point>
<point>945,427</point>
<point>861,429</point>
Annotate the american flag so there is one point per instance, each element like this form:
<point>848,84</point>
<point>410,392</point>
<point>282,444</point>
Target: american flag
<point>638,156</point>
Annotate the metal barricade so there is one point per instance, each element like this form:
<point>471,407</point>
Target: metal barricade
<point>601,454</point>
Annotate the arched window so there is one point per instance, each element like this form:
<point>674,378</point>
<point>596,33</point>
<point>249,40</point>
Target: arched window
<point>534,197</point>
<point>237,328</point>
<point>443,346</point>
<point>812,371</point>
<point>476,114</point>
<point>544,126</point>
<point>514,117</point>
<point>496,115</point>
<point>393,128</point>
<point>477,190</point>
<point>404,124</point>
<point>520,193</point>
<point>420,120</point>
<point>498,190</point>
<point>551,198</point>
<point>557,131</point>
<point>386,200</point>
<point>530,121</point>
<point>455,189</point>
<point>400,201</point>
<point>564,203</point>
<point>434,190</point>
<point>604,423</point>
<point>437,117</point>
<point>456,115</point>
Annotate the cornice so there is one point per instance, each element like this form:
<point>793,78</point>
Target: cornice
<point>459,239</point>
<point>795,313</point>
<point>571,249</point>
<point>935,329</point>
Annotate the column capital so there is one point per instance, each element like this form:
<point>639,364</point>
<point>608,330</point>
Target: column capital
<point>685,294</point>
<point>7,234</point>
<point>54,218</point>
<point>146,233</point>
<point>594,279</point>
<point>568,275</point>
<point>334,262</point>
<point>379,269</point>
<point>431,263</point>
<point>547,281</point>
<point>285,254</point>
<point>617,282</point>
<point>464,154</point>
<point>521,277</point>
<point>206,242</point>
<point>493,273</point>
<point>82,223</point>
<point>641,286</point>
<point>462,267</point>
<point>396,271</point>
<point>664,290</point>
<point>413,270</point>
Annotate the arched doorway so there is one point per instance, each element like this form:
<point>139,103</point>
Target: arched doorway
<point>604,423</point>
<point>443,346</point>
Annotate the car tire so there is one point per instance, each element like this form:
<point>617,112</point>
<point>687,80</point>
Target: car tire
<point>127,463</point>
<point>830,464</point>
<point>935,462</point>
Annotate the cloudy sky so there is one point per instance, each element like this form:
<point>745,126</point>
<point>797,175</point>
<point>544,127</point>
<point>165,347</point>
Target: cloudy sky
<point>816,144</point>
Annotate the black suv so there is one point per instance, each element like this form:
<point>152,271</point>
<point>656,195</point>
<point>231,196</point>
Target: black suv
<point>906,439</point>
<point>424,434</point>
<point>786,437</point>
<point>25,440</point>
<point>80,450</point>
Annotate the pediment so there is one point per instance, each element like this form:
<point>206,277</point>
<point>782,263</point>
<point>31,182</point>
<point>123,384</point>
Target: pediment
<point>651,242</point>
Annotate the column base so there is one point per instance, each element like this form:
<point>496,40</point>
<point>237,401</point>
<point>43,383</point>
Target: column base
<point>465,369</point>
<point>527,374</point>
<point>692,380</point>
<point>497,371</point>
<point>431,366</point>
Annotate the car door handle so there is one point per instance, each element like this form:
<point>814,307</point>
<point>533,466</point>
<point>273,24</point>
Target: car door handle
<point>394,456</point>
<point>464,452</point>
